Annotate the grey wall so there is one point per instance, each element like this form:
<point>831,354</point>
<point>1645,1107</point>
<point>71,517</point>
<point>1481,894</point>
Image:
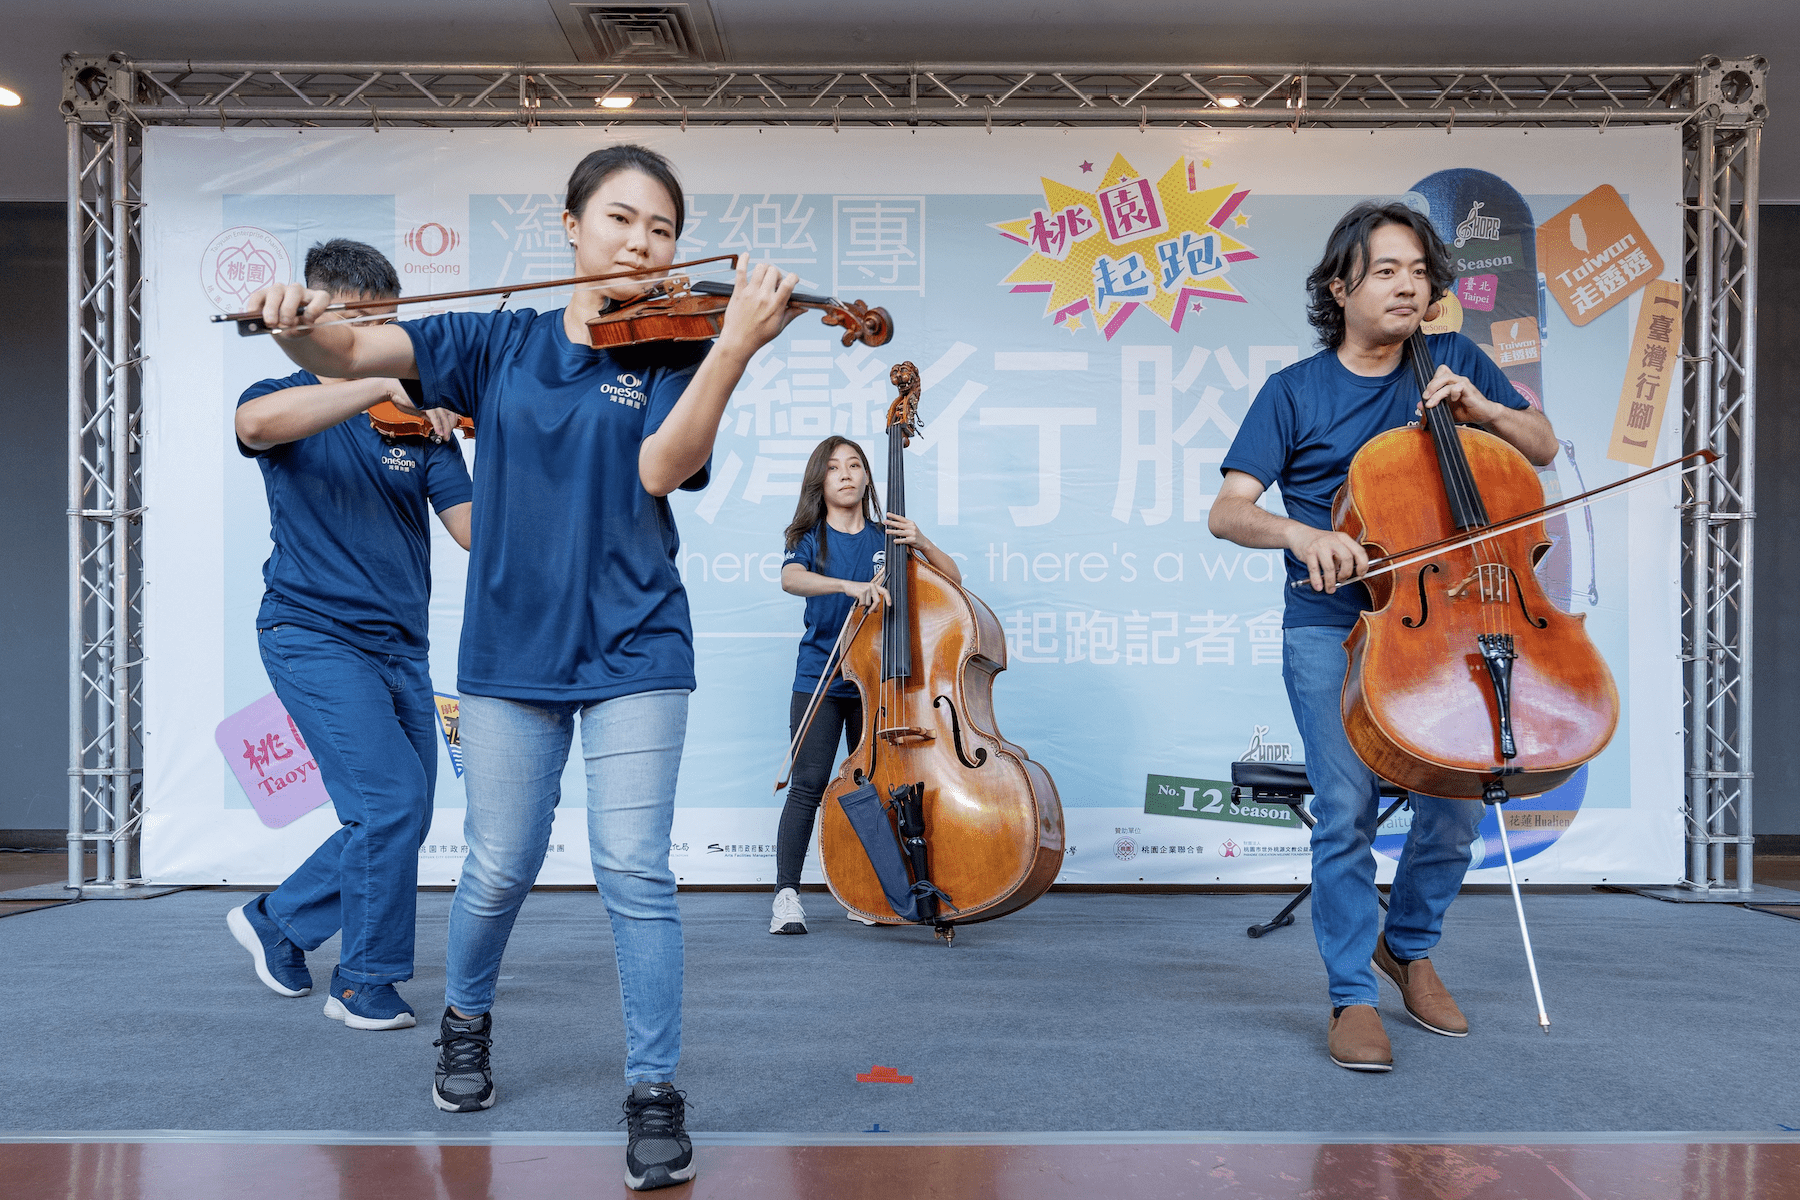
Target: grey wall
<point>34,644</point>
<point>33,538</point>
<point>1776,652</point>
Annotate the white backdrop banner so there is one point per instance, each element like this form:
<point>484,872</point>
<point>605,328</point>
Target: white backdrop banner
<point>1092,313</point>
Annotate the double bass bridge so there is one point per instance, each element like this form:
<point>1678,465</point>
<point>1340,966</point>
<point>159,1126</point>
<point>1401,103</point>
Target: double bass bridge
<point>905,735</point>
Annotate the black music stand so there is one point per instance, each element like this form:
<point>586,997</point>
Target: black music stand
<point>1286,783</point>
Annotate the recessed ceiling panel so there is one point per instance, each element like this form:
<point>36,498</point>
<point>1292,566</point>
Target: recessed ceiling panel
<point>678,31</point>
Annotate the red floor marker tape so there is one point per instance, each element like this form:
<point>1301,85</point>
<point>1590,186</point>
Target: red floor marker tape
<point>881,1074</point>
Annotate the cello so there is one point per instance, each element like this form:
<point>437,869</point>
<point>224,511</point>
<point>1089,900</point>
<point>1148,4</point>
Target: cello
<point>979,822</point>
<point>1464,680</point>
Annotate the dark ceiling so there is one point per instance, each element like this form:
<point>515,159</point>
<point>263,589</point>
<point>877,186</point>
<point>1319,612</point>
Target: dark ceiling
<point>38,32</point>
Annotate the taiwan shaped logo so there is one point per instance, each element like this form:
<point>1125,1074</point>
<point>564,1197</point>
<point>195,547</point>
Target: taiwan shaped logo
<point>1165,246</point>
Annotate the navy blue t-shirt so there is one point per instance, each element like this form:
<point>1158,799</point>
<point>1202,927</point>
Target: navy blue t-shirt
<point>573,588</point>
<point>1309,421</point>
<point>852,556</point>
<point>352,538</point>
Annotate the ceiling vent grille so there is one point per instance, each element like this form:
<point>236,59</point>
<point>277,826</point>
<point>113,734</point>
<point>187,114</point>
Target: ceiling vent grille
<point>649,34</point>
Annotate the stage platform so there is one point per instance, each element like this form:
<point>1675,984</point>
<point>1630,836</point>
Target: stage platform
<point>1094,1045</point>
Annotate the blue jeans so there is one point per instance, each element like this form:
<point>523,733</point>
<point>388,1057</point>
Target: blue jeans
<point>1346,802</point>
<point>370,723</point>
<point>513,756</point>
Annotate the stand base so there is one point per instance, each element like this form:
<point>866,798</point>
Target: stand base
<point>1761,893</point>
<point>61,891</point>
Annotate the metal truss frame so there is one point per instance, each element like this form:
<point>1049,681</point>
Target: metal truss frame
<point>109,100</point>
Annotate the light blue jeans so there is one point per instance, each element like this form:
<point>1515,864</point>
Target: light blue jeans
<point>1346,803</point>
<point>513,757</point>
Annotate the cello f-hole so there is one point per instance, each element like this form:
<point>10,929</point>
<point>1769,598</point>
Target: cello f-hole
<point>981,754</point>
<point>1536,622</point>
<point>1424,604</point>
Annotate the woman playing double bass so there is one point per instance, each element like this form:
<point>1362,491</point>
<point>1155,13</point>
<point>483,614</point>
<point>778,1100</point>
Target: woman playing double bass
<point>835,545</point>
<point>1383,267</point>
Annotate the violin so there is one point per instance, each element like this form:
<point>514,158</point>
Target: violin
<point>675,309</point>
<point>979,822</point>
<point>387,419</point>
<point>680,311</point>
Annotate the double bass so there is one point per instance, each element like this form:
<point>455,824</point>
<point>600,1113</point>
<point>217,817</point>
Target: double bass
<point>979,822</point>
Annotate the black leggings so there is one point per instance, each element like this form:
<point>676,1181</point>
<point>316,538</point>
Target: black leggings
<point>837,717</point>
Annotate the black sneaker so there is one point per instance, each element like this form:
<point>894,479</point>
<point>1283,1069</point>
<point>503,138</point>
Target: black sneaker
<point>464,1083</point>
<point>657,1151</point>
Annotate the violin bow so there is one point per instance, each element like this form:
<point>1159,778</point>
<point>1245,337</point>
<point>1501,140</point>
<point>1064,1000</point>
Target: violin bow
<point>251,323</point>
<point>1419,554</point>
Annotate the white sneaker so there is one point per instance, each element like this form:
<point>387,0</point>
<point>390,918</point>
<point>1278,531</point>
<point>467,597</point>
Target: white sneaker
<point>789,917</point>
<point>860,920</point>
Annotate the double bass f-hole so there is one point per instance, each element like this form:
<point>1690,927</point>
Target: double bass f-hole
<point>981,754</point>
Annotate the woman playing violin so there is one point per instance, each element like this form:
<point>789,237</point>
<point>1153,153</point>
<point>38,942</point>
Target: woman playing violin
<point>575,614</point>
<point>835,546</point>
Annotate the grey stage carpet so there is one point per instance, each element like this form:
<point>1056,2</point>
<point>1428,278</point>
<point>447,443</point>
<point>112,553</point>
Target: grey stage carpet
<point>1084,1012</point>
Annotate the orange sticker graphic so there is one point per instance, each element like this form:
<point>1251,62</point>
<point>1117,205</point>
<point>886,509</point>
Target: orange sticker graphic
<point>1593,254</point>
<point>1515,341</point>
<point>1449,317</point>
<point>1652,371</point>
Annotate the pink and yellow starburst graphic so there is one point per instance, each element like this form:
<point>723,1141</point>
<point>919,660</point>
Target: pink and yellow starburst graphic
<point>1131,244</point>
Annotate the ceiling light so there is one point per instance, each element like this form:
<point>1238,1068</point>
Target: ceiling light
<point>615,101</point>
<point>9,98</point>
<point>1229,101</point>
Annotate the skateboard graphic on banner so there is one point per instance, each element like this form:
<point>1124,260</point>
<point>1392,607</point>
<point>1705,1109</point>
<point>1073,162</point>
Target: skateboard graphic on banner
<point>1496,296</point>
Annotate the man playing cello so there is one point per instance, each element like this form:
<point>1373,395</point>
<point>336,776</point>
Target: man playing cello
<point>1383,267</point>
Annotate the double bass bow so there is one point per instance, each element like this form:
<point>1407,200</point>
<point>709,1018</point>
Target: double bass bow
<point>979,822</point>
<point>1464,680</point>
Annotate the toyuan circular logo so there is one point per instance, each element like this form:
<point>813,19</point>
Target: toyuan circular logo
<point>238,262</point>
<point>432,239</point>
<point>1124,849</point>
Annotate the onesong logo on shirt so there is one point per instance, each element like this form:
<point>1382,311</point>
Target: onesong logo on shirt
<point>628,391</point>
<point>395,458</point>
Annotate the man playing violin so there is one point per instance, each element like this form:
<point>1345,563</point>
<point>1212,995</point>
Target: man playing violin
<point>342,634</point>
<point>1384,266</point>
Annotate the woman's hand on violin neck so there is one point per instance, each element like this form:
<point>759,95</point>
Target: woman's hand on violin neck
<point>758,309</point>
<point>865,594</point>
<point>1332,559</point>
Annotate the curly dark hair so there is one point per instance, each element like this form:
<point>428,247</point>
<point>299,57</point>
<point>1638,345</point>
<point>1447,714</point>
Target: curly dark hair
<point>1346,257</point>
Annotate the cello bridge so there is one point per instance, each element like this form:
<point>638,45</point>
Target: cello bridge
<point>1493,582</point>
<point>903,735</point>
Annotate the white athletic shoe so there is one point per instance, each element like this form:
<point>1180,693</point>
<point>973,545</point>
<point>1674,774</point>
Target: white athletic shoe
<point>789,917</point>
<point>860,920</point>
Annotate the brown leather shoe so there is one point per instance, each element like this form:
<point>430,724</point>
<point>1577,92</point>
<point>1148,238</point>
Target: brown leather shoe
<point>1358,1041</point>
<point>1426,998</point>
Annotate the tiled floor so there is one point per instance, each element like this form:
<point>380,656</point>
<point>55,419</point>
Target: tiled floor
<point>200,1171</point>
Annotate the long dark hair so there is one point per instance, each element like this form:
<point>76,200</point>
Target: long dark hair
<point>1347,258</point>
<point>809,512</point>
<point>593,170</point>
